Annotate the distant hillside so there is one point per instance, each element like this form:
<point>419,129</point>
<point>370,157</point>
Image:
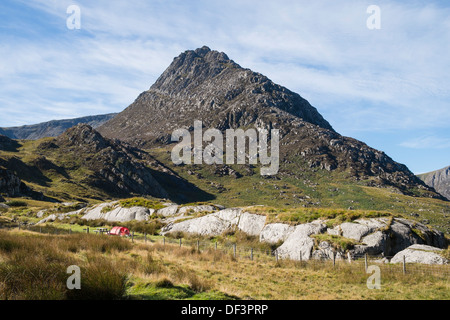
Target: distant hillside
<point>439,180</point>
<point>53,128</point>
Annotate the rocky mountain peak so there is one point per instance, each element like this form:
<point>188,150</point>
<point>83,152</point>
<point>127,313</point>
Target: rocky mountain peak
<point>191,69</point>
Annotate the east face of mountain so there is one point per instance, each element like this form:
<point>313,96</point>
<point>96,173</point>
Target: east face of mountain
<point>206,85</point>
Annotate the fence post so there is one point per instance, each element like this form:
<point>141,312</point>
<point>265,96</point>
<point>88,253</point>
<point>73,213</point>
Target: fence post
<point>251,254</point>
<point>180,242</point>
<point>349,257</point>
<point>198,245</point>
<point>365,262</point>
<point>40,229</point>
<point>87,230</point>
<point>132,236</point>
<point>404,265</point>
<point>216,246</point>
<point>334,259</point>
<point>234,249</point>
<point>276,255</point>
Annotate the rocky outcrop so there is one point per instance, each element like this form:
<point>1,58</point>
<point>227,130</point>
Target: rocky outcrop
<point>275,232</point>
<point>420,254</point>
<point>216,223</point>
<point>439,180</point>
<point>376,236</point>
<point>299,244</point>
<point>113,212</point>
<point>11,185</point>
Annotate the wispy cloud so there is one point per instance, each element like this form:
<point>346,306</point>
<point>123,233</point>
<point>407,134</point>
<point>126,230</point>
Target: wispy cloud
<point>359,79</point>
<point>427,142</point>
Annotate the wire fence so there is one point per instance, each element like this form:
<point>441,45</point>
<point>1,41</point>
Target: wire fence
<point>238,252</point>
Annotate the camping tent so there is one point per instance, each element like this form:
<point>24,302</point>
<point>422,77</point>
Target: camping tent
<point>120,231</point>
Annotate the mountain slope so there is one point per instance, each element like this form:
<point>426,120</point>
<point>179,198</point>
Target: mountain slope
<point>439,180</point>
<point>81,164</point>
<point>53,128</point>
<point>206,85</point>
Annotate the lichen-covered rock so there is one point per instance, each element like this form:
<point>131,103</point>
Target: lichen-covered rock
<point>420,254</point>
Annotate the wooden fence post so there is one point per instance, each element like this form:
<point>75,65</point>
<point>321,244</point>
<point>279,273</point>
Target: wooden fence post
<point>251,254</point>
<point>216,246</point>
<point>180,242</point>
<point>404,265</point>
<point>334,259</point>
<point>365,262</point>
<point>234,249</point>
<point>198,245</point>
<point>132,236</point>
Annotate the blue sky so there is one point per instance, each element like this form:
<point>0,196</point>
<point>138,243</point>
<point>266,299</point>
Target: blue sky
<point>386,87</point>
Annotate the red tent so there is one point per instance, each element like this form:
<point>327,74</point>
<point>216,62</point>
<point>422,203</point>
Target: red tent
<point>119,231</point>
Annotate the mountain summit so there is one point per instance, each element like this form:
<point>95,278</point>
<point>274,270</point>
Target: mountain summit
<point>207,85</point>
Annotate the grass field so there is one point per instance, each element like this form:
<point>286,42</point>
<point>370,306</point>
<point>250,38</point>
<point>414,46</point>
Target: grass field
<point>116,268</point>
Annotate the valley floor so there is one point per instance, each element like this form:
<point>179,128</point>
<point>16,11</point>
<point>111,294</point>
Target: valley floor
<point>117,268</point>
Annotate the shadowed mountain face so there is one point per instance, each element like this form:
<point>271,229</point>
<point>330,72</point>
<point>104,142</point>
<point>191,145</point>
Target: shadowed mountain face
<point>206,85</point>
<point>53,128</point>
<point>439,180</point>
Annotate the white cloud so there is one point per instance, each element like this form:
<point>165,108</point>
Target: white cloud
<point>361,79</point>
<point>427,142</point>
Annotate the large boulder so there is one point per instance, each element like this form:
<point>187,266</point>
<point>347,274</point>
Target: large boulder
<point>218,222</point>
<point>195,209</point>
<point>168,211</point>
<point>299,244</point>
<point>420,254</point>
<point>275,232</point>
<point>209,225</point>
<point>251,224</point>
<point>111,211</point>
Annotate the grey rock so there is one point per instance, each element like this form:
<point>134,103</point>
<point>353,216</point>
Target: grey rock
<point>168,211</point>
<point>275,232</point>
<point>354,230</point>
<point>201,208</point>
<point>251,224</point>
<point>117,213</point>
<point>420,254</point>
<point>299,244</point>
